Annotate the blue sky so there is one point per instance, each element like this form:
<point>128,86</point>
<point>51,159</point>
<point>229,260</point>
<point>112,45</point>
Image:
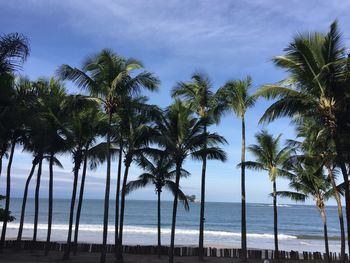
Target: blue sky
<point>226,39</point>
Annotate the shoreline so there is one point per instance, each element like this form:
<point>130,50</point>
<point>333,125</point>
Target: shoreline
<point>179,251</point>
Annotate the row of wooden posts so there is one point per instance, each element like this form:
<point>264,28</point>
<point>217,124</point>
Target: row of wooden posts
<point>179,251</point>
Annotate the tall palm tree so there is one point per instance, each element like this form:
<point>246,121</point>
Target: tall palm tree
<point>139,132</point>
<point>235,96</point>
<point>182,136</point>
<point>79,109</point>
<point>314,88</point>
<point>14,50</point>
<point>199,97</point>
<point>56,137</point>
<point>108,78</point>
<point>95,126</point>
<point>14,117</point>
<point>159,173</point>
<point>271,159</point>
<point>34,142</point>
<point>39,138</point>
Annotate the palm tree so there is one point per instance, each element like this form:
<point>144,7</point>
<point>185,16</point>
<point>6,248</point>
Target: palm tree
<point>79,109</point>
<point>307,178</point>
<point>182,135</point>
<point>95,126</point>
<point>138,132</point>
<point>34,142</point>
<point>108,78</point>
<point>271,159</point>
<point>199,97</point>
<point>14,50</point>
<point>56,138</point>
<point>159,173</point>
<point>315,88</point>
<point>39,139</point>
<point>14,117</point>
<point>235,96</point>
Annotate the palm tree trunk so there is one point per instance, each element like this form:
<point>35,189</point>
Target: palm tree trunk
<point>275,219</point>
<point>24,201</point>
<point>243,208</point>
<point>8,192</point>
<point>173,223</point>
<point>37,193</point>
<point>122,209</point>
<point>347,200</point>
<point>80,203</point>
<point>340,214</point>
<point>72,204</point>
<point>1,164</point>
<point>49,219</point>
<point>116,237</point>
<point>159,224</point>
<point>324,218</point>
<point>107,190</point>
<point>201,217</point>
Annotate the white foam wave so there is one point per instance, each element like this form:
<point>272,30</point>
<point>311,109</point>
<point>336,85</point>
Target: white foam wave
<point>281,205</point>
<point>151,231</point>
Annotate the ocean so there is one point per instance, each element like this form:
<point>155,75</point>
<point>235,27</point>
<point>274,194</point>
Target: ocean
<point>300,226</point>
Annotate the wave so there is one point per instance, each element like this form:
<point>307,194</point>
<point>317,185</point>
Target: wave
<point>279,205</point>
<point>152,231</point>
<point>315,237</point>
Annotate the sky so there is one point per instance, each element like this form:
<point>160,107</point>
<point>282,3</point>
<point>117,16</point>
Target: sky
<point>226,39</point>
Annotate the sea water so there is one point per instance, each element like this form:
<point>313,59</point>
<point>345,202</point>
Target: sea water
<point>300,226</point>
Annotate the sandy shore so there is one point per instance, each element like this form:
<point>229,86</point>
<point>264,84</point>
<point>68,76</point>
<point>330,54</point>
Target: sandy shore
<point>12,256</point>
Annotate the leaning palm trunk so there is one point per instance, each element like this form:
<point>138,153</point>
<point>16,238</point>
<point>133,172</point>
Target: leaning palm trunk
<point>347,200</point>
<point>122,209</point>
<point>116,237</point>
<point>340,214</point>
<point>107,190</point>
<point>201,217</point>
<point>159,224</point>
<point>173,223</point>
<point>275,219</point>
<point>8,192</point>
<point>80,203</point>
<point>72,204</point>
<point>49,219</point>
<point>243,208</point>
<point>37,193</point>
<point>24,201</point>
<point>324,219</point>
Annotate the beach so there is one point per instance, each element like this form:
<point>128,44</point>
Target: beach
<point>300,227</point>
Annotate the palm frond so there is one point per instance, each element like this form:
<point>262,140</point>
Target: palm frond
<point>170,185</point>
<point>295,196</point>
